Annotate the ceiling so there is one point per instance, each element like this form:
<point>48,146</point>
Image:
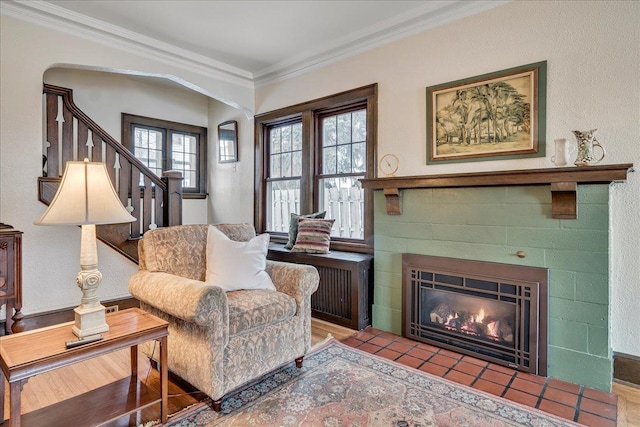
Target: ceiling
<point>255,40</point>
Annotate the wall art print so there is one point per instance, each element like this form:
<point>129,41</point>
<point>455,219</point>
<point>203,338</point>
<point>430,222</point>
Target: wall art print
<point>494,116</point>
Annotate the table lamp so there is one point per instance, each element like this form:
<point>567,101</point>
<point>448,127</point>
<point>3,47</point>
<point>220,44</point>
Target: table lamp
<point>86,197</point>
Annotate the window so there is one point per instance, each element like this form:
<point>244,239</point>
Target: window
<point>343,162</point>
<point>311,158</point>
<point>162,145</point>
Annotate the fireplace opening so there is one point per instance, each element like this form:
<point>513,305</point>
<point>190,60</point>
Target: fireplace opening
<point>496,312</point>
<point>486,320</point>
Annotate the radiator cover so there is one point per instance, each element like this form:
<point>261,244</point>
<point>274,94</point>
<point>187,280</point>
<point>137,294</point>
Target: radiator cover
<point>345,292</point>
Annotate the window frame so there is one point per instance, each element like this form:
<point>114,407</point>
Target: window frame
<point>169,128</point>
<point>309,113</point>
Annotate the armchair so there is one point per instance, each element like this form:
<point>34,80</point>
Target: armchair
<point>219,341</point>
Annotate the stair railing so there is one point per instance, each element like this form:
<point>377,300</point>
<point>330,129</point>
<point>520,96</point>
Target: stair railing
<point>72,135</point>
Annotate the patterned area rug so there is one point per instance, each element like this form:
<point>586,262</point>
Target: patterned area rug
<point>341,386</point>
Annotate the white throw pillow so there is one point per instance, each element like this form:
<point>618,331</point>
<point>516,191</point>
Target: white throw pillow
<point>235,265</point>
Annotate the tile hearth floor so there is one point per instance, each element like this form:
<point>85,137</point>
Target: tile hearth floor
<point>584,405</point>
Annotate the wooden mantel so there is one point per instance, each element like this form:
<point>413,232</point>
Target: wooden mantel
<point>564,183</point>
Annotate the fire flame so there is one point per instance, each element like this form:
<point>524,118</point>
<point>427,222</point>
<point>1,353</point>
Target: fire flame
<point>484,323</point>
<point>492,329</point>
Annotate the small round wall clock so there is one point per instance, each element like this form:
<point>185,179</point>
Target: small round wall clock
<point>389,164</point>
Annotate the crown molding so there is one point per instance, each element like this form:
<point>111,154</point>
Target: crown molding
<point>58,18</point>
<point>401,26</point>
<point>430,15</point>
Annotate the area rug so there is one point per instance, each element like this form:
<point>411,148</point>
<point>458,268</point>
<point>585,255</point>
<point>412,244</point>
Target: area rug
<point>342,386</point>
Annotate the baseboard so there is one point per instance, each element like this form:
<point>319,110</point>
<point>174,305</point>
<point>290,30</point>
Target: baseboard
<point>54,317</point>
<point>626,368</point>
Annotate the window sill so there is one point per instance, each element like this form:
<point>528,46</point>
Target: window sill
<point>194,196</point>
<point>277,248</point>
<point>335,245</point>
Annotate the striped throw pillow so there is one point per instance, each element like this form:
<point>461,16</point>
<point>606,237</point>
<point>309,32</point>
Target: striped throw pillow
<point>313,235</point>
<point>293,226</point>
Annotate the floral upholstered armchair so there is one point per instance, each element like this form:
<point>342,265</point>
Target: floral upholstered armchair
<point>221,340</point>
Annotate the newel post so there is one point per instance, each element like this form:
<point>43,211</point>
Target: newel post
<point>172,198</point>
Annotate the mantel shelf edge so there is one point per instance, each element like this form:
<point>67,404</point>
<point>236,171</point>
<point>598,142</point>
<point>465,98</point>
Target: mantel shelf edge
<point>564,183</point>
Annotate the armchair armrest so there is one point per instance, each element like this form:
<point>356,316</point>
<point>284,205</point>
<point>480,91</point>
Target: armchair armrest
<point>299,281</point>
<point>187,299</point>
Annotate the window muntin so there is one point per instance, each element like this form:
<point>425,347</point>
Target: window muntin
<point>184,157</point>
<point>148,143</point>
<point>284,176</point>
<point>163,145</point>
<point>285,151</point>
<point>344,139</point>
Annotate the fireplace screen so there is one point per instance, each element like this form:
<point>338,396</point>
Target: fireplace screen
<point>495,317</point>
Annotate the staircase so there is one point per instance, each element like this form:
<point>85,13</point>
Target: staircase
<point>72,135</point>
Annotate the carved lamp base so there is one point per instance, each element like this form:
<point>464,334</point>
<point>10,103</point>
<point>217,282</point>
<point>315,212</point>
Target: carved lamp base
<point>89,321</point>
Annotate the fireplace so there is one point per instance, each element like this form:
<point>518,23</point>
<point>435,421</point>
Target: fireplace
<point>495,312</point>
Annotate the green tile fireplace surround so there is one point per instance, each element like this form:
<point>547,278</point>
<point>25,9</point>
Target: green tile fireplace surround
<point>493,224</point>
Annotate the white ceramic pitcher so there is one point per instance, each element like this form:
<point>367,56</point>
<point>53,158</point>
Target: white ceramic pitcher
<point>563,152</point>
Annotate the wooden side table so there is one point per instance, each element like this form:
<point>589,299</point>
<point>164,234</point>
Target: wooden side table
<point>27,354</point>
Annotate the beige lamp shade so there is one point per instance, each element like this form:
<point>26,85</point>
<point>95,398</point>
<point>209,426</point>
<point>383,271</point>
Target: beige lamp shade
<point>85,196</point>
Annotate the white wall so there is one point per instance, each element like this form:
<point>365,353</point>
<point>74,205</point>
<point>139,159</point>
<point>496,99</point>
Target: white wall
<point>230,184</point>
<point>593,54</point>
<point>105,96</point>
<point>51,254</point>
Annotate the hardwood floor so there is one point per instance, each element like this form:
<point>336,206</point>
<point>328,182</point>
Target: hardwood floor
<point>628,404</point>
<point>64,383</point>
<point>320,329</point>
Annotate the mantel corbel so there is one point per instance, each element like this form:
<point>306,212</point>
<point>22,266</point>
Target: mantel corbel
<point>563,181</point>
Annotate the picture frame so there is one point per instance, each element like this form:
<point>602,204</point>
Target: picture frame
<point>228,142</point>
<point>494,116</point>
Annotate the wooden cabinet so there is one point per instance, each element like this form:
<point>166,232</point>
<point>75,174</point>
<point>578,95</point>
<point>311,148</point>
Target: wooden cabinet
<point>345,292</point>
<point>11,277</point>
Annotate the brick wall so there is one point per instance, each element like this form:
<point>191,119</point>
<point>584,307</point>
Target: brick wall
<point>492,224</point>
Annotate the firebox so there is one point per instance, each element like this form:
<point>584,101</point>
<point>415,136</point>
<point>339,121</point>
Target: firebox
<point>492,311</point>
